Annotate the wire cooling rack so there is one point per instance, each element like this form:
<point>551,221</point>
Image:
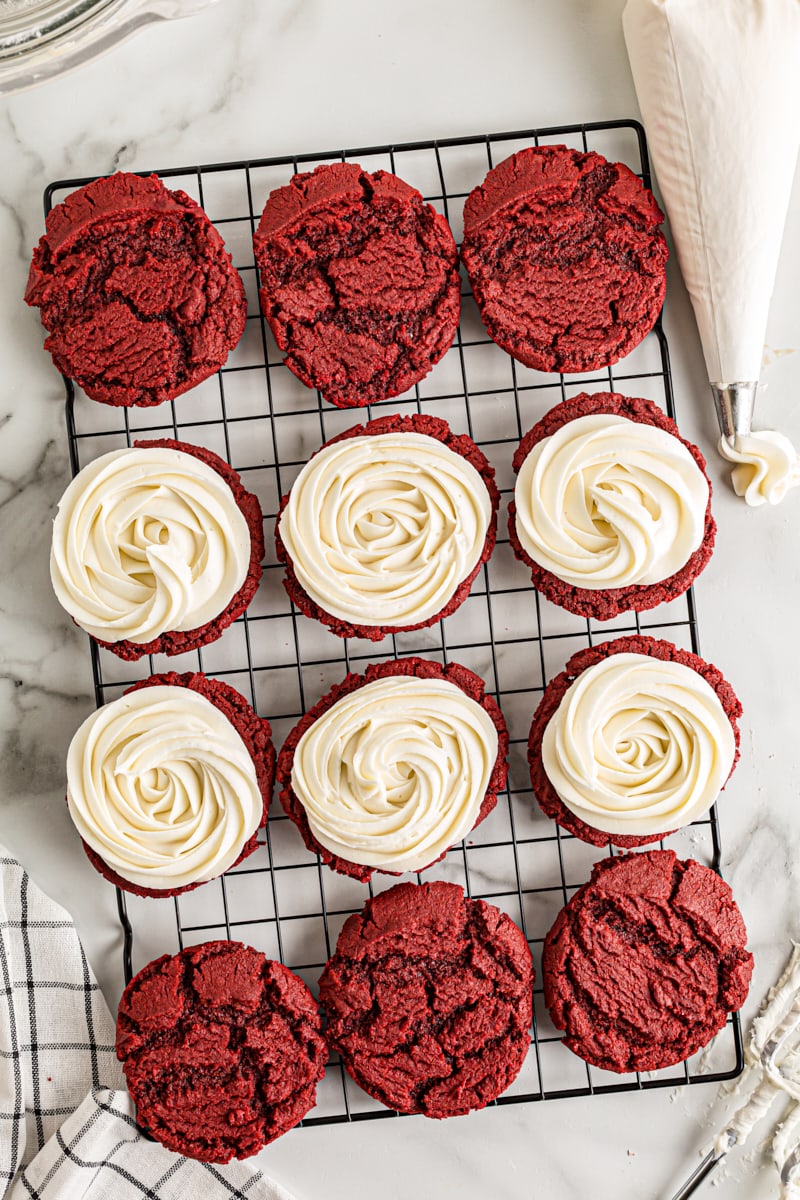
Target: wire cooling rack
<point>259,417</point>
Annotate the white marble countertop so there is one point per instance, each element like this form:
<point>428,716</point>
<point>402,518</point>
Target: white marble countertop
<point>252,78</point>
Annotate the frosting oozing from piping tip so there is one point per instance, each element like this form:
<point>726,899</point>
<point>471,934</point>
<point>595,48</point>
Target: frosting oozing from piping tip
<point>766,466</point>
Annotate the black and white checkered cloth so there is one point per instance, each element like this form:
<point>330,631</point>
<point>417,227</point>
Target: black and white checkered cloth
<point>56,1044</point>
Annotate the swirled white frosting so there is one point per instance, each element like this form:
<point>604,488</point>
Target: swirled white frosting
<point>638,745</point>
<point>606,502</point>
<point>161,785</point>
<point>766,466</point>
<point>382,529</point>
<point>147,540</point>
<point>395,772</point>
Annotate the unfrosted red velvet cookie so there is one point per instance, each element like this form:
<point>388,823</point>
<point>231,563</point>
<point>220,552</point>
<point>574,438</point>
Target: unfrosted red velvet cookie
<point>137,290</point>
<point>359,282</point>
<point>420,668</point>
<point>604,603</point>
<point>178,641</point>
<point>366,542</point>
<point>565,257</point>
<point>254,731</point>
<point>221,1049</point>
<point>644,963</point>
<point>549,801</point>
<point>428,999</point>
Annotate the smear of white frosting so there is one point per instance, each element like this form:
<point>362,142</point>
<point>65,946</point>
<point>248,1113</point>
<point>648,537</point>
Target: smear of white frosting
<point>606,502</point>
<point>766,466</point>
<point>638,745</point>
<point>161,785</point>
<point>146,540</point>
<point>381,530</point>
<point>395,772</point>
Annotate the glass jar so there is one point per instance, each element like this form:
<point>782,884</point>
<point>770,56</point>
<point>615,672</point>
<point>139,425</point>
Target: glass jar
<point>43,38</point>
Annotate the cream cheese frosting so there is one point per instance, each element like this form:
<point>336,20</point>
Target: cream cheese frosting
<point>605,502</point>
<point>766,466</point>
<point>382,529</point>
<point>638,745</point>
<point>395,772</point>
<point>147,540</point>
<point>161,785</point>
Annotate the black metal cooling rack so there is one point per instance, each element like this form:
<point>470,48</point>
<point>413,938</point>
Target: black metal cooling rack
<point>266,424</point>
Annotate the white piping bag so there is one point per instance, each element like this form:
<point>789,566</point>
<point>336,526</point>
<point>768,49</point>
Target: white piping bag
<point>718,83</point>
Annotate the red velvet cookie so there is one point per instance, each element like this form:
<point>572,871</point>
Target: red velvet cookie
<point>137,291</point>
<point>254,731</point>
<point>469,683</point>
<point>460,444</point>
<point>549,801</point>
<point>429,998</point>
<point>359,282</point>
<point>221,1049</point>
<point>178,641</point>
<point>565,257</point>
<point>644,963</point>
<point>603,604</point>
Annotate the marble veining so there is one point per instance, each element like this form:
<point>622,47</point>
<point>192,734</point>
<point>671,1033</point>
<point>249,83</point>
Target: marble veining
<point>246,78</point>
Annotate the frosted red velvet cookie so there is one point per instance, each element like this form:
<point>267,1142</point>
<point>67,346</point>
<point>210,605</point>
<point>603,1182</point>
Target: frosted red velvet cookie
<point>387,525</point>
<point>394,766</point>
<point>359,282</point>
<point>565,257</point>
<point>221,1049</point>
<point>644,963</point>
<point>429,999</point>
<point>169,784</point>
<point>156,548</point>
<point>634,738</point>
<point>612,507</point>
<point>137,290</point>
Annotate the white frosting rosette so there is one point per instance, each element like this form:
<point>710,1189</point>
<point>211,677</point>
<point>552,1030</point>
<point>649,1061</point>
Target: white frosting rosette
<point>381,529</point>
<point>147,540</point>
<point>163,788</point>
<point>396,771</point>
<point>638,745</point>
<point>607,502</point>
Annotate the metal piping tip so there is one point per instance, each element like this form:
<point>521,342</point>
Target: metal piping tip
<point>735,403</point>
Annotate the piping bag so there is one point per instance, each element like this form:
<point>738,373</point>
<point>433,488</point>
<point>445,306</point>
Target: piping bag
<point>718,84</point>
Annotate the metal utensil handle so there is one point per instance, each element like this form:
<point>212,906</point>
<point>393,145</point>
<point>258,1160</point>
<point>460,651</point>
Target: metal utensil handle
<point>711,1160</point>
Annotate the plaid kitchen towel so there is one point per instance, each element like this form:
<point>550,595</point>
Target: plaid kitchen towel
<point>57,1045</point>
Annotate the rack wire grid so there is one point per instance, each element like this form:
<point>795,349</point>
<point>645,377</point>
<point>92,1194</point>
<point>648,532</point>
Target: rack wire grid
<point>266,424</point>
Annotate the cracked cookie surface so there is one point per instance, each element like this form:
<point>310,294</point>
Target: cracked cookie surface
<point>429,999</point>
<point>565,257</point>
<point>359,282</point>
<point>137,290</point>
<point>644,963</point>
<point>221,1049</point>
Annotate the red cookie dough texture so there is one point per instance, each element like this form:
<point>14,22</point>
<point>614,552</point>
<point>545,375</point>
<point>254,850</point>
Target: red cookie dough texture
<point>221,1049</point>
<point>177,641</point>
<point>137,291</point>
<point>644,963</point>
<point>604,603</point>
<point>549,801</point>
<point>460,444</point>
<point>565,257</point>
<point>359,282</point>
<point>470,683</point>
<point>255,732</point>
<point>429,998</point>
